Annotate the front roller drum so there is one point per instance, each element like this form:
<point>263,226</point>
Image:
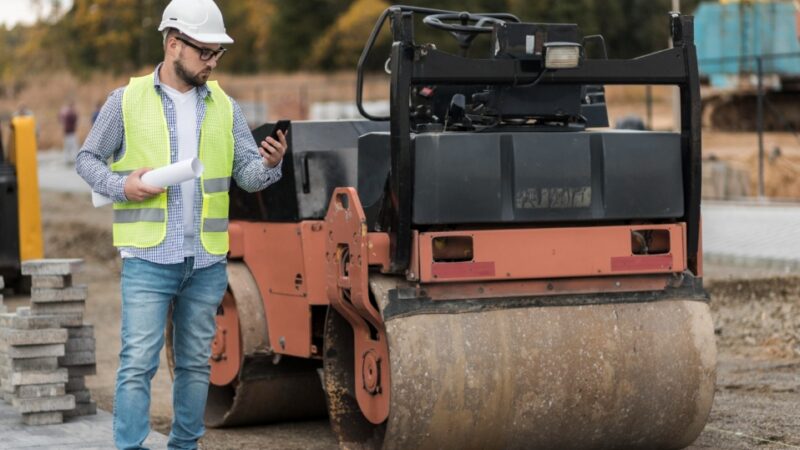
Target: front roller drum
<point>624,375</point>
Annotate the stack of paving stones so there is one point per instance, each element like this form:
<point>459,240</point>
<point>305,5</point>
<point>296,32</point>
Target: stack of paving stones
<point>31,379</point>
<point>79,360</point>
<point>53,294</point>
<point>46,350</point>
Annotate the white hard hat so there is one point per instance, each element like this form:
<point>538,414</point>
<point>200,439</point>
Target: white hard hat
<point>201,20</point>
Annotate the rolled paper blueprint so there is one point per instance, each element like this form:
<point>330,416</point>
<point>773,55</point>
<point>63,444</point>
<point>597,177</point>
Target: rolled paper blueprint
<point>162,177</point>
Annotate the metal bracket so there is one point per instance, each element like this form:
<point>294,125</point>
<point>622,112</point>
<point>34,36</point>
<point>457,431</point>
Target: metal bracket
<point>347,254</point>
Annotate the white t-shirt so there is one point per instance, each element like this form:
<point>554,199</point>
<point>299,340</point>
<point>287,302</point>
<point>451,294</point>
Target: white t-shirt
<point>186,115</point>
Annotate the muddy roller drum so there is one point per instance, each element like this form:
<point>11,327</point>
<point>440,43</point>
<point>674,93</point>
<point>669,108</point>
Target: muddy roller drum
<point>249,383</point>
<point>621,375</point>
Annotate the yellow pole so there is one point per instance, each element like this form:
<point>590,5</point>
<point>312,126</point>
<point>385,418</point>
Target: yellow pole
<point>23,139</point>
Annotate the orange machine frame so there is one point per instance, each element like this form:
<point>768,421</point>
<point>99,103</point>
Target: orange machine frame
<point>552,253</point>
<point>288,262</point>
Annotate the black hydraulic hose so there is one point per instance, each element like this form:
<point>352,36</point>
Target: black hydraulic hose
<point>371,42</point>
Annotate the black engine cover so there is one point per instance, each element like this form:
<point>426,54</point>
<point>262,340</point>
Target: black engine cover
<point>546,177</point>
<point>520,177</point>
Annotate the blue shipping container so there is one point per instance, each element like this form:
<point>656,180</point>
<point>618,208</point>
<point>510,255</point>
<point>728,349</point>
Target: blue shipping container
<point>730,36</point>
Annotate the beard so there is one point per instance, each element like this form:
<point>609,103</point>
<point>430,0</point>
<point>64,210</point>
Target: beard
<point>195,80</point>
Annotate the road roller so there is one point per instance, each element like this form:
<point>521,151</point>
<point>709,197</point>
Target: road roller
<point>488,267</point>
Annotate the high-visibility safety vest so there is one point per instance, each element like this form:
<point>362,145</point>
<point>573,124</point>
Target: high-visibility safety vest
<point>144,224</point>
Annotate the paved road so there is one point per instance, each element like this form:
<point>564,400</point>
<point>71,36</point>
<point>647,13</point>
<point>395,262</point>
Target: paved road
<point>752,234</point>
<point>55,175</point>
<point>80,433</point>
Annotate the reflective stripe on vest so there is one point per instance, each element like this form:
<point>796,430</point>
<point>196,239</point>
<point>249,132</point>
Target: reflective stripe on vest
<point>217,185</point>
<point>147,144</point>
<point>215,225</point>
<point>139,215</point>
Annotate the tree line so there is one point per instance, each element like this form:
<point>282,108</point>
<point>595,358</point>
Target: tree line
<point>119,36</point>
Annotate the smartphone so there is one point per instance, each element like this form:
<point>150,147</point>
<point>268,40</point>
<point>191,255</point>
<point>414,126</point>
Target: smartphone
<point>282,125</point>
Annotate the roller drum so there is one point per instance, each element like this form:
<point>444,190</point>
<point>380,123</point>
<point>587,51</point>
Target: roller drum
<point>604,376</point>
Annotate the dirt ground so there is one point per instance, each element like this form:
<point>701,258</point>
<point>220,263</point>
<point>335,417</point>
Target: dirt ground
<point>756,314</point>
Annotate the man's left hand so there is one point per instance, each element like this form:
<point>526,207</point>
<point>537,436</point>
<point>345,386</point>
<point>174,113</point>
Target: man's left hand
<point>272,150</point>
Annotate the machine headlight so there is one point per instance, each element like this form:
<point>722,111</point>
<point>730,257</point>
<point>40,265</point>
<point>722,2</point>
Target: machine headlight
<point>562,55</point>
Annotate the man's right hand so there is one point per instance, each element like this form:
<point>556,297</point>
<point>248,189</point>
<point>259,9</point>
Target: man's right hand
<point>137,190</point>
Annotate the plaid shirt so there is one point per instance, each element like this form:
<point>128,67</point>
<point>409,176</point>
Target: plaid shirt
<point>107,139</point>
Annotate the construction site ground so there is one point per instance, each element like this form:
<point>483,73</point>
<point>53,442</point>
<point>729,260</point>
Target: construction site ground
<point>756,312</point>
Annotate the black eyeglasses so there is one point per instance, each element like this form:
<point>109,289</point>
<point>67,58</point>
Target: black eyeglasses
<point>205,53</point>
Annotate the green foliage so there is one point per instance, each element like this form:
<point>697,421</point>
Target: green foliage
<point>111,35</point>
<point>295,26</point>
<point>343,42</point>
<point>248,23</point>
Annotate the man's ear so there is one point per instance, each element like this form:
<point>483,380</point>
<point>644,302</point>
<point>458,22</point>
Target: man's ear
<point>171,42</point>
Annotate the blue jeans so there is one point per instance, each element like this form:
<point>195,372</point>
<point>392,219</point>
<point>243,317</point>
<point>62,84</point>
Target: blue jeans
<point>148,290</point>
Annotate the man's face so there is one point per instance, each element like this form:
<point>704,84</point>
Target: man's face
<point>189,64</point>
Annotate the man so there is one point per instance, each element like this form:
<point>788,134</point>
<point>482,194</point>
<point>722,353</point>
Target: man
<point>173,242</point>
<point>96,112</point>
<point>68,117</point>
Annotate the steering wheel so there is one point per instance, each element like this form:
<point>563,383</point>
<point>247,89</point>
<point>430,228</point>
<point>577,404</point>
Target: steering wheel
<point>469,23</point>
<point>467,26</point>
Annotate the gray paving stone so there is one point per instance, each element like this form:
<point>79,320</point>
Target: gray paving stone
<point>77,359</point>
<point>84,331</point>
<point>82,409</point>
<point>38,377</point>
<point>92,432</point>
<point>81,396</point>
<point>27,322</point>
<point>51,266</point>
<point>5,386</point>
<point>42,418</point>
<point>70,319</point>
<point>16,321</point>
<point>41,390</point>
<point>51,281</point>
<point>33,337</point>
<point>47,295</point>
<point>34,351</point>
<point>82,370</point>
<point>70,307</point>
<point>75,383</point>
<point>44,404</point>
<point>21,364</point>
<point>79,345</point>
<point>23,311</point>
